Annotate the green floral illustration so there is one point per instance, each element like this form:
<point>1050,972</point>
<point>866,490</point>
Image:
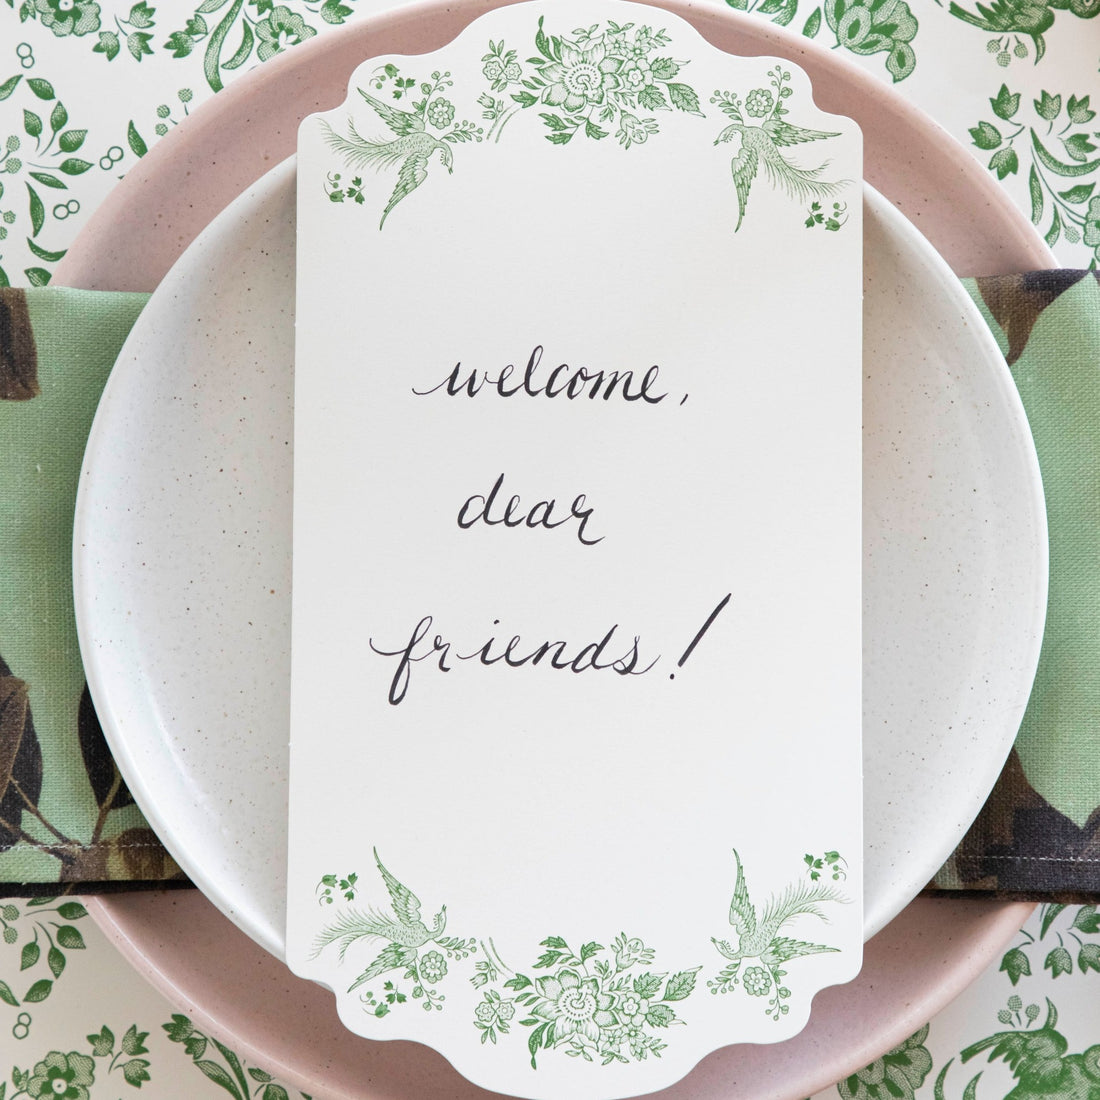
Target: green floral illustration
<point>347,885</point>
<point>235,32</point>
<point>761,139</point>
<point>1061,149</point>
<point>863,27</point>
<point>228,1071</point>
<point>65,17</point>
<point>1012,20</point>
<point>64,1076</point>
<point>411,144</point>
<point>831,221</point>
<point>895,1076</point>
<point>601,79</point>
<point>1073,940</point>
<point>757,959</point>
<point>405,936</point>
<point>598,1003</point>
<point>41,935</point>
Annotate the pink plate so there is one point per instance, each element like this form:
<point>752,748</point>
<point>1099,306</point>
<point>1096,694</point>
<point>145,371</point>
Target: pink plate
<point>193,954</point>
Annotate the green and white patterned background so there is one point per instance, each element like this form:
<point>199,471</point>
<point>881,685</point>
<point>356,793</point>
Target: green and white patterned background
<point>87,88</point>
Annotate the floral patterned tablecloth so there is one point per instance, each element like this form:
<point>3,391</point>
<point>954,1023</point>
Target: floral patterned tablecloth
<point>88,86</point>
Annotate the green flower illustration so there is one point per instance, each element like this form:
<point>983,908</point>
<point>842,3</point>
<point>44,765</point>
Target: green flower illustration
<point>634,130</point>
<point>62,1076</point>
<point>581,77</point>
<point>65,17</point>
<point>433,967</point>
<point>637,74</point>
<point>757,981</point>
<point>575,1005</point>
<point>441,113</point>
<point>281,28</point>
<point>897,1074</point>
<point>758,102</point>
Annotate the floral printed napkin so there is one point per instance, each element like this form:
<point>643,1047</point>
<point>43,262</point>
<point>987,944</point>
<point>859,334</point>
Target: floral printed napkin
<point>65,814</point>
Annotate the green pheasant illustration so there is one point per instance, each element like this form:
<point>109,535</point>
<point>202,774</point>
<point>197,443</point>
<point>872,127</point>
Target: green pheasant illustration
<point>411,147</point>
<point>758,934</point>
<point>760,145</point>
<point>1039,1063</point>
<point>405,932</point>
<point>1029,17</point>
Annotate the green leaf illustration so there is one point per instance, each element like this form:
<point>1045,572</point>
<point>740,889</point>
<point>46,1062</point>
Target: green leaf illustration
<point>135,141</point>
<point>1078,146</point>
<point>71,140</point>
<point>1004,162</point>
<point>58,117</point>
<point>1005,105</point>
<point>136,1071</point>
<point>1089,957</point>
<point>103,1043</point>
<point>647,984</point>
<point>218,1075</point>
<point>332,11</point>
<point>7,996</point>
<point>1036,190</point>
<point>275,1092</point>
<point>243,51</point>
<point>8,86</point>
<point>41,88</point>
<point>32,123</point>
<point>652,98</point>
<point>48,180</point>
<point>1078,110</point>
<point>1056,166</point>
<point>42,254</point>
<point>681,985</point>
<point>1047,106</point>
<point>1016,965</point>
<point>195,1046</point>
<point>1054,232</point>
<point>1079,193</point>
<point>1058,962</point>
<point>986,135</point>
<point>70,937</point>
<point>684,98</point>
<point>260,1075</point>
<point>664,68</point>
<point>141,15</point>
<point>108,45</point>
<point>74,166</point>
<point>1050,915</point>
<point>660,1015</point>
<point>1087,919</point>
<point>180,44</point>
<point>813,24</point>
<point>138,44</point>
<point>29,955</point>
<point>133,1042</point>
<point>56,961</point>
<point>178,1029</point>
<point>41,989</point>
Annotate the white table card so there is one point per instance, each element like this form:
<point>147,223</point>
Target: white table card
<point>575,761</point>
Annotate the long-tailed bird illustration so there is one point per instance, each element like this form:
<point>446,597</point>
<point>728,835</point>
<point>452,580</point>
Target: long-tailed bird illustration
<point>1039,1062</point>
<point>411,147</point>
<point>404,930</point>
<point>758,934</point>
<point>760,146</point>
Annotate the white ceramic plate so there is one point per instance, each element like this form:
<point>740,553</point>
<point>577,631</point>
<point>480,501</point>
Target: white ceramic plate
<point>183,543</point>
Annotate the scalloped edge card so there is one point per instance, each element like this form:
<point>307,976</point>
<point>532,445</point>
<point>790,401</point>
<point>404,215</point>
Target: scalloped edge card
<point>576,691</point>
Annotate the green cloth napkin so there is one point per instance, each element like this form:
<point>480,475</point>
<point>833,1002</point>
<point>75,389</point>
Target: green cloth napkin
<point>1039,832</point>
<point>65,815</point>
<point>66,818</point>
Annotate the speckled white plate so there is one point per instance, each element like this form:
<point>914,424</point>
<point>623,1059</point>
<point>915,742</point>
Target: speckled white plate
<point>183,543</point>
